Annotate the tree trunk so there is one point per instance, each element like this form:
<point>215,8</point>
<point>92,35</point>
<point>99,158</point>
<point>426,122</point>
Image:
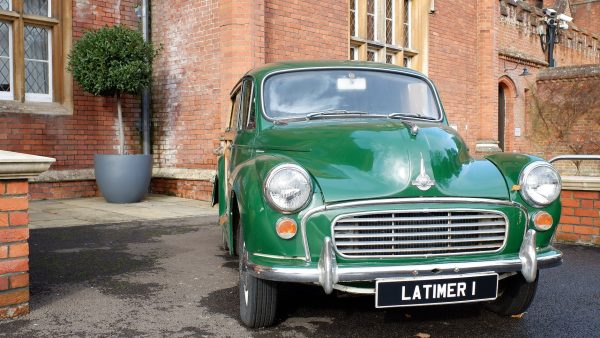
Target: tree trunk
<point>120,122</point>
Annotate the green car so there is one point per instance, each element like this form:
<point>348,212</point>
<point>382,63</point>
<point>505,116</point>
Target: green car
<point>347,175</point>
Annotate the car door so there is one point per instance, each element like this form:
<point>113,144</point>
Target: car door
<point>221,184</point>
<point>242,148</point>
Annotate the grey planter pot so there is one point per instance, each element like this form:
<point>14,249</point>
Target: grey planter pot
<point>123,178</point>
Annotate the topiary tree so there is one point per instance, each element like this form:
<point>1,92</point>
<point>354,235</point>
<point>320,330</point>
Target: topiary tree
<point>112,61</point>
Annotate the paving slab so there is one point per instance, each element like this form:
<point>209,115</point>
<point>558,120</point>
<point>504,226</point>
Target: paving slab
<point>95,210</point>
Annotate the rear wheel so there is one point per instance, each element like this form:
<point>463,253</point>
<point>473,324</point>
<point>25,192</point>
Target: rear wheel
<point>258,297</point>
<point>515,295</point>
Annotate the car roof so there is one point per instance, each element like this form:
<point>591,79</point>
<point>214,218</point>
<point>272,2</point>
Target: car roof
<point>304,64</point>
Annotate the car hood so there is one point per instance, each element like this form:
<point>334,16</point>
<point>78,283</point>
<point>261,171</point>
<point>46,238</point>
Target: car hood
<point>368,158</point>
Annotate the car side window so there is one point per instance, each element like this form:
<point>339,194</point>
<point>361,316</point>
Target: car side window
<point>235,109</point>
<point>246,103</point>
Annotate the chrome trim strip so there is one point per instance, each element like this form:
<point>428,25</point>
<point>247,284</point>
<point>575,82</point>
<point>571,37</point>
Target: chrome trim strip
<point>424,218</point>
<point>504,241</point>
<point>417,234</point>
<point>278,257</point>
<point>398,71</point>
<point>355,290</point>
<point>386,201</point>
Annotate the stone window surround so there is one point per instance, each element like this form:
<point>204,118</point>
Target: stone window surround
<point>62,82</point>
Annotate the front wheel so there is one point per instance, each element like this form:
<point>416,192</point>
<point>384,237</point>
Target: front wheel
<point>515,295</point>
<point>258,297</point>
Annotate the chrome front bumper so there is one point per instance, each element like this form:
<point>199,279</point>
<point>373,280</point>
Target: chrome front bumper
<point>328,273</point>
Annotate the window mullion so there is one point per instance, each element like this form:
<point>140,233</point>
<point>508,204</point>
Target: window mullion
<point>57,54</point>
<point>380,21</point>
<point>18,53</point>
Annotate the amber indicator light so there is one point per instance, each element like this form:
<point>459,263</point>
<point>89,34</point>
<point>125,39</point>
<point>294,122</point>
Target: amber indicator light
<point>542,220</point>
<point>286,228</point>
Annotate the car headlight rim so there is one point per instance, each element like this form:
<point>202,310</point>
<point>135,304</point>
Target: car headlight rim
<point>277,170</point>
<point>527,171</point>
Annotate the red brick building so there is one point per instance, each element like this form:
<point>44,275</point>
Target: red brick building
<point>473,50</point>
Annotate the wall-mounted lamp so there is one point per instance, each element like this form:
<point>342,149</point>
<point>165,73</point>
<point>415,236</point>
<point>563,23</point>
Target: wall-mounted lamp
<point>525,71</point>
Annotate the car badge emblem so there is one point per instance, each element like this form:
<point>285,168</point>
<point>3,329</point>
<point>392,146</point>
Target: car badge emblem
<point>423,181</point>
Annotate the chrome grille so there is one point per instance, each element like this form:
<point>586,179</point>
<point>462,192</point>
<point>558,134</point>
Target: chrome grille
<point>419,233</point>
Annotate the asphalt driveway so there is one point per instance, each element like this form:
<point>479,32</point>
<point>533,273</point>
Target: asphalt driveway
<point>171,278</point>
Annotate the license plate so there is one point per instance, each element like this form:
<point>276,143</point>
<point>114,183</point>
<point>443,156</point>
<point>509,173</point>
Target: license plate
<point>435,290</point>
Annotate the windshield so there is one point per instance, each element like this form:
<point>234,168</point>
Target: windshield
<point>347,92</point>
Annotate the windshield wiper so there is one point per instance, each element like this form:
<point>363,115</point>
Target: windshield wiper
<point>333,112</point>
<point>405,115</point>
<point>413,129</point>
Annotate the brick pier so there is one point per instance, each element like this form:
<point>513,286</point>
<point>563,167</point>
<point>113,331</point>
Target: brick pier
<point>15,170</point>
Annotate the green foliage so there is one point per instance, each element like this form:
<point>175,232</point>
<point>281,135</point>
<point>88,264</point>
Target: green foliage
<point>112,60</point>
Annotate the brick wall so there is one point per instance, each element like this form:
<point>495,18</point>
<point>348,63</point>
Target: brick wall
<point>67,189</point>
<point>585,14</point>
<point>186,111</point>
<point>306,30</point>
<point>518,25</point>
<point>14,250</point>
<point>74,139</point>
<point>569,97</point>
<point>580,220</point>
<point>453,63</point>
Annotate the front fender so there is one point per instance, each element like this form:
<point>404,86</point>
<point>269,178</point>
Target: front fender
<point>511,165</point>
<point>256,215</point>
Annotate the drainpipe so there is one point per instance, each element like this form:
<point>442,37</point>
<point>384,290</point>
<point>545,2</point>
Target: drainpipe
<point>146,95</point>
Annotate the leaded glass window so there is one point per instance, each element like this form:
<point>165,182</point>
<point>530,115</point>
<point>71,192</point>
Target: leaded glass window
<point>389,58</point>
<point>371,20</point>
<point>37,7</point>
<point>382,31</point>
<point>5,5</point>
<point>5,60</point>
<point>30,31</point>
<point>389,22</point>
<point>372,55</point>
<point>37,63</point>
<point>406,23</point>
<point>353,18</point>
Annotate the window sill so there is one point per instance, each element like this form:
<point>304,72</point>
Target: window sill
<point>40,108</point>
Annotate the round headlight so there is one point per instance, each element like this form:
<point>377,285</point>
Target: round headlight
<point>288,188</point>
<point>540,184</point>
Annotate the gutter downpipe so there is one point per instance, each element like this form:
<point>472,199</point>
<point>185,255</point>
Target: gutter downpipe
<point>146,94</point>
